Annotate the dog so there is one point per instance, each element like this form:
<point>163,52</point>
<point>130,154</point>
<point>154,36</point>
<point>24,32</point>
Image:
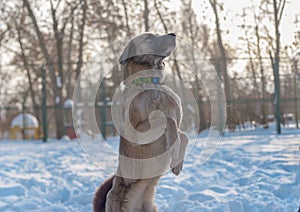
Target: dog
<point>132,189</point>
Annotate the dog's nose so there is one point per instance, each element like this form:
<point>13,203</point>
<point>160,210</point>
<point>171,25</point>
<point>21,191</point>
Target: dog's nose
<point>172,34</point>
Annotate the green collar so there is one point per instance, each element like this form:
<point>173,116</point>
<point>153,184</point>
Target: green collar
<point>146,80</point>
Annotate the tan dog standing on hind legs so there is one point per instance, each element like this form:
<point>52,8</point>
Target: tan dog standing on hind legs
<point>150,140</point>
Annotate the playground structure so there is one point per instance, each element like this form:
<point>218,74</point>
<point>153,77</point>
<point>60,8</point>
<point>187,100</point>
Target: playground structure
<point>24,126</point>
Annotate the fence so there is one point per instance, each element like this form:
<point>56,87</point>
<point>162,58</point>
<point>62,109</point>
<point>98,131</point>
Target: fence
<point>17,123</point>
<point>250,104</point>
<point>248,111</point>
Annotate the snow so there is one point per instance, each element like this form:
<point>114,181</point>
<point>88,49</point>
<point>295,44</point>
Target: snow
<point>254,170</point>
<point>57,99</point>
<point>68,104</point>
<point>58,82</point>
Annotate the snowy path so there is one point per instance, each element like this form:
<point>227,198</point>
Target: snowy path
<point>251,171</point>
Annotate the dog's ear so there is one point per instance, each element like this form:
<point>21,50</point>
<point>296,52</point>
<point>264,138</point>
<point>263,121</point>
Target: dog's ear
<point>128,52</point>
<point>159,61</point>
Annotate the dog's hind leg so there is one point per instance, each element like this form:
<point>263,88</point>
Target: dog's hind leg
<point>148,196</point>
<point>125,195</point>
<point>116,196</point>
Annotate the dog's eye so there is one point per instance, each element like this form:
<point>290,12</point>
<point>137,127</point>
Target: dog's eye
<point>151,36</point>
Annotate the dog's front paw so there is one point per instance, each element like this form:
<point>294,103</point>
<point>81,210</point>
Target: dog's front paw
<point>177,169</point>
<point>177,163</point>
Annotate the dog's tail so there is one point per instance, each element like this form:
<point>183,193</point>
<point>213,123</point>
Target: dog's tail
<point>100,195</point>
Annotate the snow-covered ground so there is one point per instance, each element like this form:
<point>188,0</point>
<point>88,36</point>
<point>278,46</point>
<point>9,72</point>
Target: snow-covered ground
<point>254,170</point>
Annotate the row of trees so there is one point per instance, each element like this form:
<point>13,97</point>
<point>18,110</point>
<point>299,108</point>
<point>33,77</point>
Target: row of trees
<point>65,35</point>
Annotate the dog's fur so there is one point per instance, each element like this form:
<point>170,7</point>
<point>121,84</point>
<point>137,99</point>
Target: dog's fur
<point>136,195</point>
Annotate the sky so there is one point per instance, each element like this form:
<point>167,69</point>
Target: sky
<point>236,7</point>
<point>288,26</point>
<point>231,8</point>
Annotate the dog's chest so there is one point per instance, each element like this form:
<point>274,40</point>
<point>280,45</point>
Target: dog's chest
<point>146,102</point>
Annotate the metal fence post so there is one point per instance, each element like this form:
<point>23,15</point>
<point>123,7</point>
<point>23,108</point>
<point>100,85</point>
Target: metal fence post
<point>295,60</point>
<point>23,117</point>
<point>275,68</point>
<point>277,85</point>
<point>103,106</point>
<point>296,100</point>
<point>44,104</point>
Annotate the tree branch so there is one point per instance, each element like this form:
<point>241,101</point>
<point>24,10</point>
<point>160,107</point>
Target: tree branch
<point>281,11</point>
<point>126,17</point>
<point>41,43</point>
<point>160,16</point>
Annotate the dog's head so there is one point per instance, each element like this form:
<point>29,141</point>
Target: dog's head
<point>148,48</point>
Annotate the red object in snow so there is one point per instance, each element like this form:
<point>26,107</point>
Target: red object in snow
<point>70,131</point>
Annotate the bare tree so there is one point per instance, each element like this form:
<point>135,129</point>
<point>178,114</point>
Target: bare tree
<point>222,67</point>
<point>27,67</point>
<point>50,63</point>
<point>278,8</point>
<point>62,15</point>
<point>126,17</point>
<point>262,76</point>
<point>253,38</point>
<point>193,32</point>
<point>247,30</point>
<point>268,11</point>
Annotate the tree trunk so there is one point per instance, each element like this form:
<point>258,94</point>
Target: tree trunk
<point>57,90</point>
<point>81,44</point>
<point>126,17</point>
<point>252,69</point>
<point>69,59</point>
<point>263,81</point>
<point>231,120</point>
<point>26,66</point>
<point>278,11</point>
<point>146,16</point>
